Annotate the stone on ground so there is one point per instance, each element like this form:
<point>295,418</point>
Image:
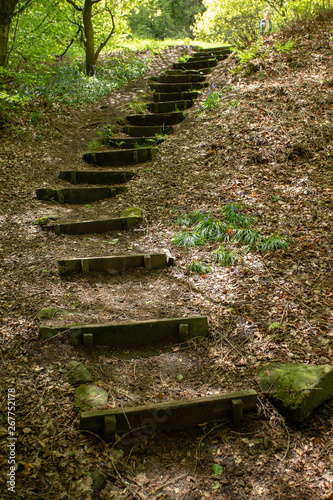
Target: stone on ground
<point>297,390</point>
<point>131,212</point>
<point>78,373</point>
<point>88,396</point>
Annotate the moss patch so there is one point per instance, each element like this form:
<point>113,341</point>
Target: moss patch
<point>296,390</point>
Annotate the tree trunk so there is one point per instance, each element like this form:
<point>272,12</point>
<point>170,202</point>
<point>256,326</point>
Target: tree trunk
<point>89,35</point>
<point>7,8</point>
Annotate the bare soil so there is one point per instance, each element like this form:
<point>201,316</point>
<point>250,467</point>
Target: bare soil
<point>268,145</point>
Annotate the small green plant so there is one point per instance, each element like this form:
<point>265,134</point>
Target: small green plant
<point>217,469</point>
<point>251,52</point>
<point>35,117</point>
<point>183,58</point>
<point>274,242</point>
<point>212,100</point>
<point>199,267</point>
<point>138,107</point>
<point>108,132</point>
<point>187,239</point>
<point>94,145</point>
<point>285,48</point>
<point>226,257</point>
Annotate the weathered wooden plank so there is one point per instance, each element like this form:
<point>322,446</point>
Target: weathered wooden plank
<point>156,119</point>
<point>178,87</point>
<point>132,142</point>
<point>205,63</point>
<point>169,416</point>
<point>174,96</point>
<point>136,131</point>
<point>97,226</point>
<point>121,156</point>
<point>183,78</point>
<point>95,176</point>
<point>169,106</point>
<point>111,264</point>
<point>78,195</point>
<point>135,334</point>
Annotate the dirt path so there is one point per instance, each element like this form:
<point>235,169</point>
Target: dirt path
<point>268,145</point>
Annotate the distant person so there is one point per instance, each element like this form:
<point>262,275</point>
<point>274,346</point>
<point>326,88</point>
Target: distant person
<point>265,25</point>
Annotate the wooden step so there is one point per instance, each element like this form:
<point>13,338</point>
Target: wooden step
<point>133,142</point>
<point>114,264</point>
<point>174,96</point>
<point>169,106</point>
<point>160,332</point>
<point>95,176</point>
<point>78,196</point>
<point>96,226</point>
<point>183,78</point>
<point>156,119</point>
<point>121,156</point>
<point>173,415</point>
<point>136,131</point>
<point>206,63</point>
<point>177,87</point>
<point>214,50</point>
<point>201,57</point>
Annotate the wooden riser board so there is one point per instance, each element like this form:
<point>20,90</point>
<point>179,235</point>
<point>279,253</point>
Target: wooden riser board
<point>177,87</point>
<point>159,332</point>
<point>156,120</point>
<point>145,420</point>
<point>136,131</point>
<point>97,226</point>
<point>174,96</point>
<point>132,142</point>
<point>95,176</point>
<point>181,78</point>
<point>206,63</point>
<point>79,195</point>
<point>120,157</point>
<point>169,106</point>
<point>113,265</point>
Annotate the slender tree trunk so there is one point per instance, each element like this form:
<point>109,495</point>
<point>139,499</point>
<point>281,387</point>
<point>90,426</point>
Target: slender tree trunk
<point>89,35</point>
<point>7,8</point>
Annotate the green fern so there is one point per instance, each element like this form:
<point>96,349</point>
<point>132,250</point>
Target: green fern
<point>187,239</point>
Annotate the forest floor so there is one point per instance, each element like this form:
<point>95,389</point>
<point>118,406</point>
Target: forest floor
<point>267,146</point>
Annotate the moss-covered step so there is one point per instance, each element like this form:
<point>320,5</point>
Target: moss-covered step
<point>114,264</point>
<point>205,63</point>
<point>133,142</point>
<point>156,119</point>
<point>173,415</point>
<point>174,96</point>
<point>177,87</point>
<point>183,78</point>
<point>214,50</point>
<point>97,226</point>
<point>297,389</point>
<point>137,131</point>
<point>79,195</point>
<point>169,106</point>
<point>95,176</point>
<point>218,57</point>
<point>120,157</point>
<point>160,332</point>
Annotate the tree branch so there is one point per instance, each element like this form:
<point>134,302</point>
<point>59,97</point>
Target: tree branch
<point>21,9</point>
<point>102,45</point>
<point>76,7</point>
<point>71,42</point>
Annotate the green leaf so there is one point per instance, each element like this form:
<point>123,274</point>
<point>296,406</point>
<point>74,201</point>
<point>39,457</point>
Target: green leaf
<point>217,469</point>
